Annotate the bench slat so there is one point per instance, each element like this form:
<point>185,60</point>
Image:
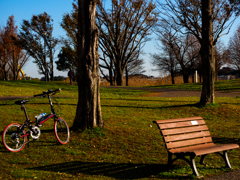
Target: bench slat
<point>186,136</point>
<point>191,148</point>
<point>181,124</point>
<point>184,130</point>
<point>188,142</point>
<point>177,120</point>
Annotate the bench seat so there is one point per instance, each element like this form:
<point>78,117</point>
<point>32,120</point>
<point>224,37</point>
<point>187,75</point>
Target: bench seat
<point>205,149</point>
<point>190,137</point>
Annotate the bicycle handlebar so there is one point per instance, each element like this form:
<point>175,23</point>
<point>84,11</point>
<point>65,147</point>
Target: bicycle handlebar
<point>47,92</point>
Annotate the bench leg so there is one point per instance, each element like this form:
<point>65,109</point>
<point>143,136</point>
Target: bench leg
<point>169,160</point>
<point>193,165</point>
<point>182,156</point>
<point>227,160</point>
<point>202,159</point>
<point>225,157</point>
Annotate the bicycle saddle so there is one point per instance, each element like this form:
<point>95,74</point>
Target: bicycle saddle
<point>19,102</point>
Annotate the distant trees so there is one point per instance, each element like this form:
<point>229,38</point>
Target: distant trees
<point>221,56</point>
<point>123,29</point>
<point>36,38</point>
<point>206,20</point>
<point>12,57</point>
<point>181,50</point>
<point>234,50</point>
<point>67,58</point>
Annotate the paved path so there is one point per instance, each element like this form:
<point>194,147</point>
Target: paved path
<point>14,97</point>
<point>233,175</point>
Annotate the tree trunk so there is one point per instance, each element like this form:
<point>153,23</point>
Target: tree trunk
<point>193,76</point>
<point>185,77</point>
<point>111,77</point>
<point>14,67</point>
<point>172,76</point>
<point>126,70</point>
<point>88,114</point>
<point>119,76</point>
<point>51,65</point>
<point>5,77</point>
<point>207,55</point>
<point>119,79</point>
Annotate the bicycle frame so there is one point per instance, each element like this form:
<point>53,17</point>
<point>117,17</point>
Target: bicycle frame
<point>28,123</point>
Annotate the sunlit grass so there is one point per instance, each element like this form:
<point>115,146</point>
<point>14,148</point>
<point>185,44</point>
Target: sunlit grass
<point>128,147</point>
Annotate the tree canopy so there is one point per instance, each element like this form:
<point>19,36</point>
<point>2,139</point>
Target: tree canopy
<point>36,38</point>
<point>12,57</point>
<point>123,30</point>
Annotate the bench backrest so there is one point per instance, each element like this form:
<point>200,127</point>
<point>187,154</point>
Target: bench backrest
<point>184,132</point>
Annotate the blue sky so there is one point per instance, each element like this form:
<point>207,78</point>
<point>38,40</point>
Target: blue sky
<point>24,9</point>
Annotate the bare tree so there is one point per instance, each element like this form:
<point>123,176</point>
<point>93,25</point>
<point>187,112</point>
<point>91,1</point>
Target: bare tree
<point>182,46</point>
<point>88,114</point>
<point>123,30</point>
<point>220,56</point>
<point>234,50</point>
<point>109,66</point>
<point>3,54</point>
<point>166,62</point>
<point>12,57</point>
<point>207,21</point>
<point>134,67</point>
<point>35,36</point>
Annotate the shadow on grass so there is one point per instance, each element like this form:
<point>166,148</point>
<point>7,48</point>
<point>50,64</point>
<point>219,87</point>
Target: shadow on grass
<point>114,170</point>
<point>160,107</point>
<point>223,140</point>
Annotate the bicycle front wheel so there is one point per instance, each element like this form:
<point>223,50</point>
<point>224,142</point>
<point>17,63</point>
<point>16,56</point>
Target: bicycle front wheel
<point>62,131</point>
<point>13,138</point>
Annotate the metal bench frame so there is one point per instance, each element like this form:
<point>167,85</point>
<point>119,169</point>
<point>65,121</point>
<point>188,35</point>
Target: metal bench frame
<point>190,137</point>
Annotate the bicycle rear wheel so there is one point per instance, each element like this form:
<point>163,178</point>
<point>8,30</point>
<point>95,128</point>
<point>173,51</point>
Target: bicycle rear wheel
<point>62,131</point>
<point>14,140</point>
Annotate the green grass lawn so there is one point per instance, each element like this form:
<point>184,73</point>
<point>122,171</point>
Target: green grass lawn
<point>128,147</point>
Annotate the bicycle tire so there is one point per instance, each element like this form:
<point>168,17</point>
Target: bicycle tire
<point>14,140</point>
<point>61,130</point>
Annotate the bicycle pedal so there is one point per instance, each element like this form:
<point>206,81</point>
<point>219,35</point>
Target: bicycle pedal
<point>39,125</point>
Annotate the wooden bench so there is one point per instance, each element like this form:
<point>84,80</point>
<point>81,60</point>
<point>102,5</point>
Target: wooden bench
<point>190,137</point>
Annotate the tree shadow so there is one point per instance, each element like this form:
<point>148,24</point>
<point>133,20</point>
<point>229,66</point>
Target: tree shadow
<point>113,170</point>
<point>224,140</point>
<point>160,107</point>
